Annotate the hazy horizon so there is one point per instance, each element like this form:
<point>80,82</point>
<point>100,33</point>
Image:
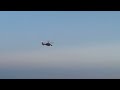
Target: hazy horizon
<point>86,45</point>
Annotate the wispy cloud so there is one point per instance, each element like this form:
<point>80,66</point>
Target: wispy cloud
<point>71,56</point>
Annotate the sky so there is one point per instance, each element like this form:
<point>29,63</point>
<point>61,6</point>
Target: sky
<point>86,44</point>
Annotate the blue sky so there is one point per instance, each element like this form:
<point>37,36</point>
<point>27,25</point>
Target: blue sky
<point>25,29</point>
<point>83,40</point>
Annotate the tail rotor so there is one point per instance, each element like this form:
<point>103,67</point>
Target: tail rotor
<point>42,42</point>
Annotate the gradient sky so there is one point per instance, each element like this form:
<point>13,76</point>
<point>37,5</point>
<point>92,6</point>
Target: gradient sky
<point>86,44</point>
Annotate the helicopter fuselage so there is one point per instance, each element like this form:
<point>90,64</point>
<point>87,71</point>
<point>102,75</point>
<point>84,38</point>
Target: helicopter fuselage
<point>47,44</point>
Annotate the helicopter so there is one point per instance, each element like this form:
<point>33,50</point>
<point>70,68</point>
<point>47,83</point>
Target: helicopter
<point>48,43</point>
